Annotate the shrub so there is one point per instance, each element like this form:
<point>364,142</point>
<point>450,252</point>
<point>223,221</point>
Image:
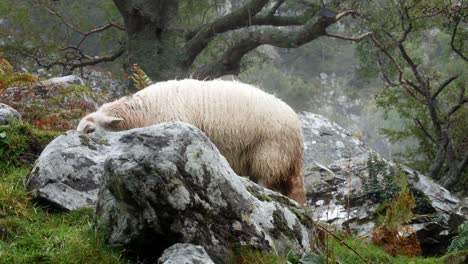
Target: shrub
<point>460,242</point>
<point>20,144</point>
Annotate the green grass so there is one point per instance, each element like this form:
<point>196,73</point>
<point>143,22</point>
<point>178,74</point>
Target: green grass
<point>373,254</point>
<point>30,234</point>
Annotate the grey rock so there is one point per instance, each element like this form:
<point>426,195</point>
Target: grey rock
<point>336,165</point>
<point>185,254</point>
<point>7,113</point>
<point>169,184</point>
<point>69,79</point>
<point>67,173</point>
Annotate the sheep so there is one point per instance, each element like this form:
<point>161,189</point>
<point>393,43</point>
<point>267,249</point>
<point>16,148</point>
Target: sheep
<point>258,134</point>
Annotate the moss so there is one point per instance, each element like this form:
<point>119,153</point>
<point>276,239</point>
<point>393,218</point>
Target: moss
<point>284,201</point>
<point>258,195</point>
<point>86,141</point>
<point>101,141</point>
<point>282,225</point>
<point>198,154</point>
<point>20,144</point>
<point>423,203</point>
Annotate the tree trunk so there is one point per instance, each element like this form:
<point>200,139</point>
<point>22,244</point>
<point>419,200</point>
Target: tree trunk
<point>152,37</point>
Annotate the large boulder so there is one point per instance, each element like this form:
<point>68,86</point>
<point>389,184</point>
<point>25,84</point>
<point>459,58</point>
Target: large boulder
<point>8,113</point>
<point>168,184</point>
<point>346,184</point>
<point>66,176</point>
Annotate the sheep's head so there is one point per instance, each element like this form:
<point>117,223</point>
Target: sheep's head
<point>97,122</point>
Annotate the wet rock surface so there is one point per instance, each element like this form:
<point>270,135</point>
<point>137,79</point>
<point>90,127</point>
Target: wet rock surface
<point>340,169</point>
<point>8,113</point>
<point>168,184</point>
<point>185,254</point>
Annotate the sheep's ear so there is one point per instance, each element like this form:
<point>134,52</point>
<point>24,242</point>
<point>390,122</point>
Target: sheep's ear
<point>110,121</point>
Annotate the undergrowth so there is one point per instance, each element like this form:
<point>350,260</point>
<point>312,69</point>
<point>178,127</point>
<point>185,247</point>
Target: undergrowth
<point>30,234</point>
<point>21,144</point>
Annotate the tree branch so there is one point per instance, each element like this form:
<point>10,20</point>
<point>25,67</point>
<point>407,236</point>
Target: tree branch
<point>452,41</point>
<point>236,19</point>
<point>230,61</point>
<point>97,60</point>
<point>414,69</point>
<point>424,130</point>
<point>457,106</point>
<point>355,39</point>
<point>443,85</point>
<point>275,7</point>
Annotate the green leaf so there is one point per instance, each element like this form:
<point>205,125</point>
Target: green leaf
<point>3,134</point>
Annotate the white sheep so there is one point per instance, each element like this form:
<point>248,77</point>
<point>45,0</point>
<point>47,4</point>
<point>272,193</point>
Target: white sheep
<point>259,135</point>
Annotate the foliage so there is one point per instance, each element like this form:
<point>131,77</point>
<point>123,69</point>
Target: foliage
<point>308,258</point>
<point>139,78</point>
<point>56,107</point>
<point>373,254</point>
<point>460,242</point>
<point>9,78</point>
<point>392,234</point>
<point>294,91</point>
<point>21,144</point>
<point>35,36</point>
<point>425,81</point>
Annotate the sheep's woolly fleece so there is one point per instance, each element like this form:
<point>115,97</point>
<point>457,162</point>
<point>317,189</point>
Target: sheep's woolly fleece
<point>260,135</point>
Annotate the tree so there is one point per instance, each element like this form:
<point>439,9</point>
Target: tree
<point>166,51</point>
<point>160,40</point>
<point>425,84</point>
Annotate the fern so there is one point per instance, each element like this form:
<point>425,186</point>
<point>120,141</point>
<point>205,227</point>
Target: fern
<point>9,78</point>
<point>139,78</point>
<point>392,233</point>
<point>460,242</point>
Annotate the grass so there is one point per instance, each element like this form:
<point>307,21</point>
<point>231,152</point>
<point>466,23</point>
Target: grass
<point>30,234</point>
<point>373,254</point>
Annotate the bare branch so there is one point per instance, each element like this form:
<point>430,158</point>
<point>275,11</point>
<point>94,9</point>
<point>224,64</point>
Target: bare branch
<point>424,130</point>
<point>98,60</point>
<point>64,21</point>
<point>345,14</point>
<point>456,107</point>
<point>443,85</point>
<point>275,7</point>
<point>414,68</point>
<point>356,39</point>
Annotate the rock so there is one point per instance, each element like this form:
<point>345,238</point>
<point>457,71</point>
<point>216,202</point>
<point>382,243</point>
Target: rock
<point>69,79</point>
<point>336,164</point>
<point>326,142</point>
<point>185,254</point>
<point>168,184</point>
<point>6,113</point>
<point>66,175</point>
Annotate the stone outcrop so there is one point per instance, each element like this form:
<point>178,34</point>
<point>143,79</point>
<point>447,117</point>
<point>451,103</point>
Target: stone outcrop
<point>168,184</point>
<point>339,170</point>
<point>185,254</point>
<point>8,113</point>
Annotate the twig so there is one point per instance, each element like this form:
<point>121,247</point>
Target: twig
<point>342,242</point>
